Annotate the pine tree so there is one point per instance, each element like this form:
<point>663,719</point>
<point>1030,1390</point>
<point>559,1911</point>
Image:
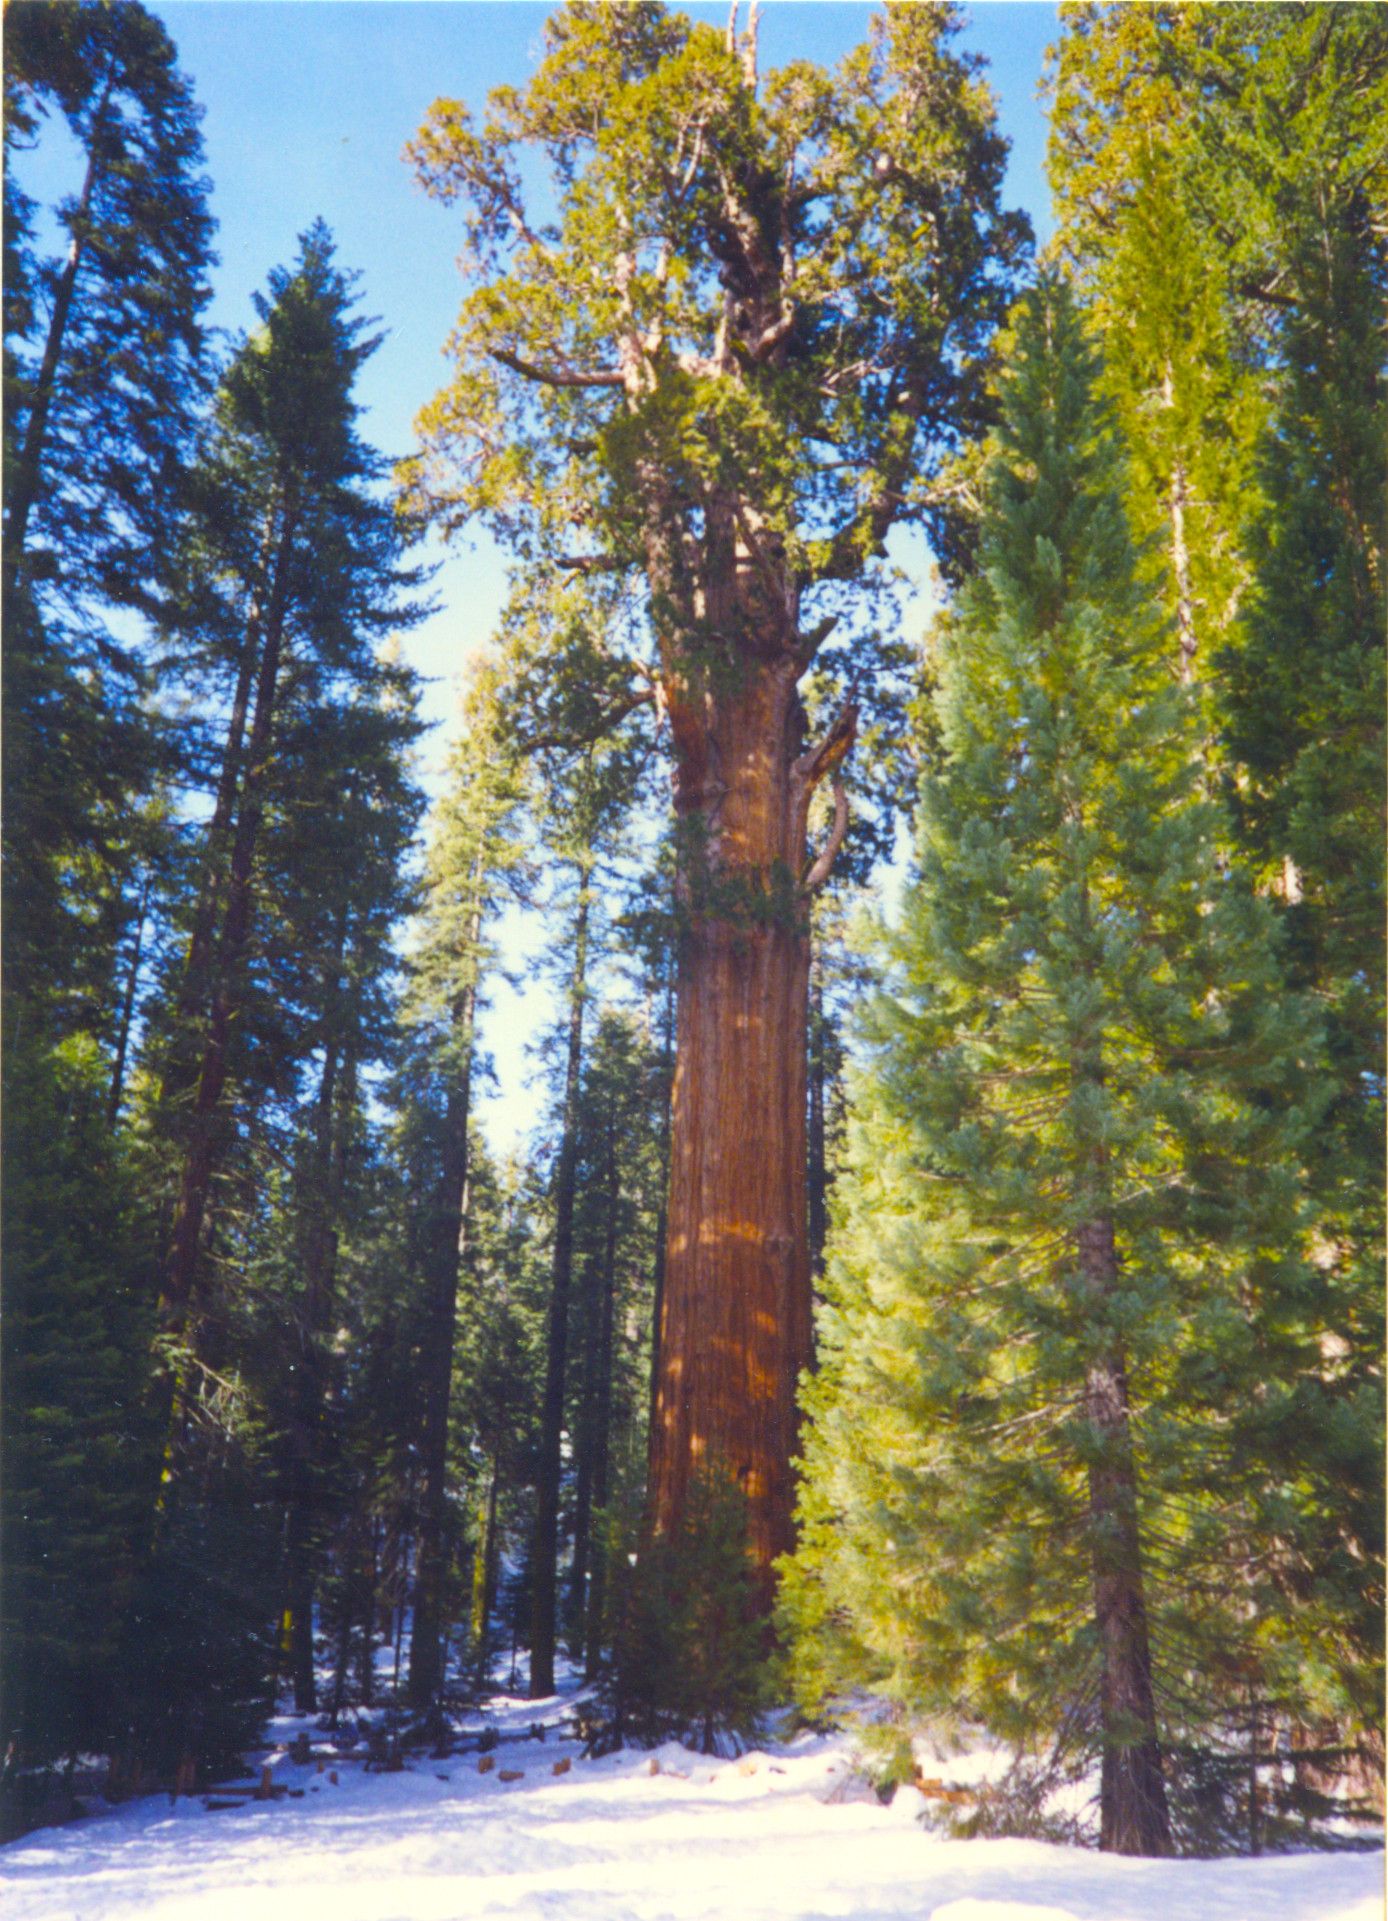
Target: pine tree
<point>1306,699</point>
<point>352,888</point>
<point>1195,152</point>
<point>78,1451</point>
<point>1215,170</point>
<point>1044,1489</point>
<point>105,371</point>
<point>587,804</point>
<point>307,580</point>
<point>620,1190</point>
<point>476,861</point>
<point>105,412</point>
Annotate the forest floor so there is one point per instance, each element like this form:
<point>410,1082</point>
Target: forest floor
<point>531,1829</point>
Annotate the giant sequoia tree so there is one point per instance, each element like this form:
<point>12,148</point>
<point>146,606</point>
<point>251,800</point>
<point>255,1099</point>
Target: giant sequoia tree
<point>724,360</point>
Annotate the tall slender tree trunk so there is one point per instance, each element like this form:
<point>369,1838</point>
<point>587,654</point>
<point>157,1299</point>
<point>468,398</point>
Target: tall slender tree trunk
<point>445,1256</point>
<point>127,1008</point>
<point>326,1183</point>
<point>1133,1810</point>
<point>25,483</point>
<point>1177,498</point>
<point>484,1595</point>
<point>818,1167</point>
<point>662,1219</point>
<point>205,1124</point>
<point>583,1466</point>
<point>590,1490</point>
<point>602,1419</point>
<point>544,1570</point>
<point>735,1319</point>
<point>195,981</point>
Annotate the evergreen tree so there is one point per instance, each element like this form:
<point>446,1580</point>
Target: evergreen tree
<point>103,413</point>
<point>1196,153</point>
<point>587,803</point>
<point>289,575</point>
<point>620,1176</point>
<point>1306,699</point>
<point>105,379</point>
<point>352,890</point>
<point>78,1452</point>
<point>1216,170</point>
<point>1053,1482</point>
<point>756,318</point>
<point>476,861</point>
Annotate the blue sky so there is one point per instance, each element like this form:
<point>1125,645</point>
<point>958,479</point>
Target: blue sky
<point>308,105</point>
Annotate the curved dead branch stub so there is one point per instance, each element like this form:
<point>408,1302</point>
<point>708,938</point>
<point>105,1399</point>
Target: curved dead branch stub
<point>822,865</point>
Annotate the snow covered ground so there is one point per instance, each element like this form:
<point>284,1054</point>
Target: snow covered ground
<point>776,1836</point>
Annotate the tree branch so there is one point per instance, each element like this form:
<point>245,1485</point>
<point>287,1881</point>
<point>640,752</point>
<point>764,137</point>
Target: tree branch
<point>603,723</point>
<point>823,863</point>
<point>557,376</point>
<point>825,758</point>
<point>592,563</point>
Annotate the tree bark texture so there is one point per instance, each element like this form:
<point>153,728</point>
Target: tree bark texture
<point>544,1576</point>
<point>1133,1812</point>
<point>445,1256</point>
<point>484,1577</point>
<point>735,1324</point>
<point>818,1143</point>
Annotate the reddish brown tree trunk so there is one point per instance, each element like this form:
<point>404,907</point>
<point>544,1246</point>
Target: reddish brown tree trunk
<point>735,1316</point>
<point>1133,1813</point>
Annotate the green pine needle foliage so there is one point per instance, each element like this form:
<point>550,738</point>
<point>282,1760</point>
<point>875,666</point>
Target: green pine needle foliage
<point>689,1660</point>
<point>1082,1011</point>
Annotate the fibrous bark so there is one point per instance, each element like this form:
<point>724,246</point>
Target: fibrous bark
<point>1132,1807</point>
<point>734,1333</point>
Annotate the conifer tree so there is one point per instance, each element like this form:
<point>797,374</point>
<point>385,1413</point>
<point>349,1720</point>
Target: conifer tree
<point>476,861</point>
<point>587,802</point>
<point>755,320</point>
<point>620,1182</point>
<point>357,811</point>
<point>1216,169</point>
<point>105,371</point>
<point>1196,154</point>
<point>1072,1259</point>
<point>288,576</point>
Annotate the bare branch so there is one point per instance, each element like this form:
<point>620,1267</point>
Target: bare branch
<point>591,563</point>
<point>558,376</point>
<point>602,723</point>
<point>822,865</point>
<point>825,758</point>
